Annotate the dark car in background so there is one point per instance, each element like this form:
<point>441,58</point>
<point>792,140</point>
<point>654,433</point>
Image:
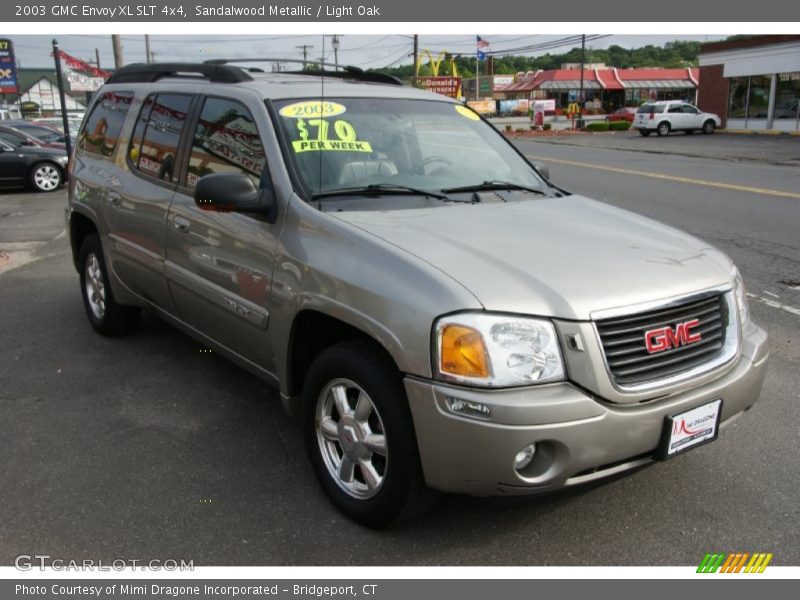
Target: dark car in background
<point>43,169</point>
<point>43,135</point>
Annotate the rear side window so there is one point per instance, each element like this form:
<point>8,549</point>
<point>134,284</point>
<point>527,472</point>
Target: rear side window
<point>154,145</point>
<point>101,131</point>
<point>226,141</point>
<point>651,108</point>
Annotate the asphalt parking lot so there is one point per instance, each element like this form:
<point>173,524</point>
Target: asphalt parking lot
<point>146,447</point>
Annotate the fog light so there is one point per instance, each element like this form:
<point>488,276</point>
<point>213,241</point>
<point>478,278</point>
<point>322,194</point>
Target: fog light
<point>524,457</point>
<point>468,408</point>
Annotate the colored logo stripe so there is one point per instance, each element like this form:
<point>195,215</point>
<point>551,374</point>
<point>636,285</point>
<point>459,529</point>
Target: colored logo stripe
<point>734,562</point>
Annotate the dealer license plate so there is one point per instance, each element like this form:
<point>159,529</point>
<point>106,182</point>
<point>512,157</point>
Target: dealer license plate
<point>690,429</point>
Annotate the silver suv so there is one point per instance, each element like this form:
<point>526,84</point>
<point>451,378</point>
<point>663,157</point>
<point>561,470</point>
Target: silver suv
<point>673,115</point>
<point>438,315</point>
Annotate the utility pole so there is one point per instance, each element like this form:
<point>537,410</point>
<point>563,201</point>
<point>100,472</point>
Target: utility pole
<point>416,59</point>
<point>116,42</point>
<point>148,58</point>
<point>335,44</point>
<point>305,48</point>
<point>97,57</point>
<point>580,102</point>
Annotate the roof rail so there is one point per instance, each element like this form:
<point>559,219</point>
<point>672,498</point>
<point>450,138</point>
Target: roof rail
<point>347,72</point>
<point>149,72</point>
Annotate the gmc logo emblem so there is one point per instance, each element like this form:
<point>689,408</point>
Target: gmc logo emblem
<point>664,338</point>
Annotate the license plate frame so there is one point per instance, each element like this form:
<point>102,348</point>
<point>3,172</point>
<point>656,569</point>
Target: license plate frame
<point>678,436</point>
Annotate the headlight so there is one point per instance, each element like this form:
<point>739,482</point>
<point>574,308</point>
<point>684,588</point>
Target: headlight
<point>741,296</point>
<point>497,350</point>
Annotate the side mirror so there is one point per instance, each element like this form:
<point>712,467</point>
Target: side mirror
<point>543,169</point>
<point>235,192</point>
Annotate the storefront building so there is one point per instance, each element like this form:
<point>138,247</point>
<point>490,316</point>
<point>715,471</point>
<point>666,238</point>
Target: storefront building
<point>604,89</point>
<point>752,83</point>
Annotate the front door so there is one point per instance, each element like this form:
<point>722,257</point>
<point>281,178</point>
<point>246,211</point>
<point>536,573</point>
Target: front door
<point>219,264</point>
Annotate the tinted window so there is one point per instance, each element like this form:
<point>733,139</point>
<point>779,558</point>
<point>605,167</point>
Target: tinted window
<point>690,110</point>
<point>104,123</point>
<point>651,108</point>
<point>159,146</point>
<point>14,139</point>
<point>225,141</point>
<point>675,109</point>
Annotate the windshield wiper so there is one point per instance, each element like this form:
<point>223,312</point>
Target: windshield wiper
<point>487,186</point>
<point>378,189</point>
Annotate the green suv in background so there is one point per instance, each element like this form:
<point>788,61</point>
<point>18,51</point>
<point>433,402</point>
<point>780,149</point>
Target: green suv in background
<point>438,315</point>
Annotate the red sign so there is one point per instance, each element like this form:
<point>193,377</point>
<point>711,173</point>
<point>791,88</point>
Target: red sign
<point>447,86</point>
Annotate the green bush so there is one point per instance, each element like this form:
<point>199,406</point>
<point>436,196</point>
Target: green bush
<point>619,125</point>
<point>597,126</point>
<point>520,129</point>
<point>547,126</point>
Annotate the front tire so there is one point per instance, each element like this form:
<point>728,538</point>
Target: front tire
<point>106,316</point>
<point>45,177</point>
<point>360,436</point>
<point>709,127</point>
<point>663,129</point>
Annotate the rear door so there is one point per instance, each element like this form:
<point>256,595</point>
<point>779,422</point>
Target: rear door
<point>139,201</point>
<point>219,264</point>
<point>675,116</point>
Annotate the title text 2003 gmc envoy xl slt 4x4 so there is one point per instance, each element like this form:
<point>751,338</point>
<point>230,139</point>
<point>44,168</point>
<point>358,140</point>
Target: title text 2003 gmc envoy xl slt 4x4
<point>438,314</point>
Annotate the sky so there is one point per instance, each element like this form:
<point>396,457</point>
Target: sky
<point>366,51</point>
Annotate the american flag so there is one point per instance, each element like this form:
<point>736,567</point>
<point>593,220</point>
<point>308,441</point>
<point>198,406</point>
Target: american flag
<point>482,45</point>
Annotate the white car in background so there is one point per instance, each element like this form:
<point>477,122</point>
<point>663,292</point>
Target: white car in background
<point>673,115</point>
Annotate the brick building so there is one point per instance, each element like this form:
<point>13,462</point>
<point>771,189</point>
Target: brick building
<point>752,83</point>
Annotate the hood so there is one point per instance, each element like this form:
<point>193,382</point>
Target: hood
<point>560,257</point>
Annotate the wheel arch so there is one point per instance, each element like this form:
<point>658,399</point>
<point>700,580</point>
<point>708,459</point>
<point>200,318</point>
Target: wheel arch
<point>80,226</point>
<point>312,332</point>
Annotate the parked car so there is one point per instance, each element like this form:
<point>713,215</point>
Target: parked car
<point>58,123</point>
<point>43,135</point>
<point>673,115</point>
<point>43,169</point>
<point>788,110</point>
<point>626,113</point>
<point>437,313</point>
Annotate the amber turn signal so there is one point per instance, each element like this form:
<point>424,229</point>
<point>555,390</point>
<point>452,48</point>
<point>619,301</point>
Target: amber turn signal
<point>463,352</point>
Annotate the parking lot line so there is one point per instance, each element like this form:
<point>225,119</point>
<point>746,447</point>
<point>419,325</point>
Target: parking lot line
<point>716,184</point>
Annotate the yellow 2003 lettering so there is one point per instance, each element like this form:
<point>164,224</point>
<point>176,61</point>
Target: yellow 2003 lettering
<point>312,108</point>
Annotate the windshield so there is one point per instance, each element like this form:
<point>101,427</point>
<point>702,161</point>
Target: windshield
<point>346,143</point>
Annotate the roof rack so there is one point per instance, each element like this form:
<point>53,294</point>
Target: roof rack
<point>347,72</point>
<point>149,72</point>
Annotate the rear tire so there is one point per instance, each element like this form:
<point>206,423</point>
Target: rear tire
<point>106,316</point>
<point>45,177</point>
<point>360,436</point>
<point>663,129</point>
<point>709,127</point>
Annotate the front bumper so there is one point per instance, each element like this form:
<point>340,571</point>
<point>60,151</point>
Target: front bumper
<point>579,437</point>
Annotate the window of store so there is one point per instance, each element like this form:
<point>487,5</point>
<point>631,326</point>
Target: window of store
<point>787,98</point>
<point>758,104</point>
<point>737,101</point>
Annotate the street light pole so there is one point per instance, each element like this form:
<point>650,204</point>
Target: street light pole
<point>580,102</point>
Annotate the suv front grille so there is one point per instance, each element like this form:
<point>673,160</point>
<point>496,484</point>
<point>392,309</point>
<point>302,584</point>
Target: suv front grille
<point>623,340</point>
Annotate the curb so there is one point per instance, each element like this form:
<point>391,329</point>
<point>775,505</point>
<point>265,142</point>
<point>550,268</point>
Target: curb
<point>758,132</point>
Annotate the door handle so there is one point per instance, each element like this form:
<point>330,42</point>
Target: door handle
<point>182,224</point>
<point>114,198</point>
